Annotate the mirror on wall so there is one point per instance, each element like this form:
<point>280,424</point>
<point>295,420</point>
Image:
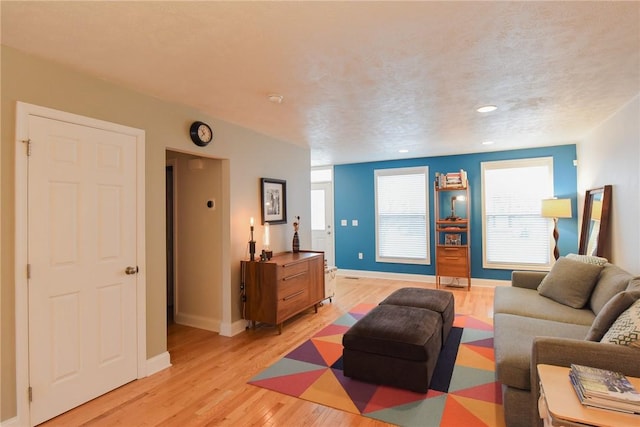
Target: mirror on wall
<point>595,222</point>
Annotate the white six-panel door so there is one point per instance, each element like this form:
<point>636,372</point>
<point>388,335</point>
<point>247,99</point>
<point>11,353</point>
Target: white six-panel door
<point>81,239</point>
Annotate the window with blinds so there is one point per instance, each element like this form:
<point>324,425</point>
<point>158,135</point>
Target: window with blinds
<point>402,232</point>
<point>514,234</point>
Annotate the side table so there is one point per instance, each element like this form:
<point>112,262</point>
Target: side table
<point>559,405</point>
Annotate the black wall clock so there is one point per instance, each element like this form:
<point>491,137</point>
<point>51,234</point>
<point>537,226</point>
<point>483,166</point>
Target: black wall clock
<point>201,133</point>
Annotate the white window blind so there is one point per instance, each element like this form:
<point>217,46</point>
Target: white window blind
<point>402,232</point>
<point>514,233</point>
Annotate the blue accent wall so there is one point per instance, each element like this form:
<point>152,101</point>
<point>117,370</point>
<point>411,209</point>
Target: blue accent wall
<point>354,198</point>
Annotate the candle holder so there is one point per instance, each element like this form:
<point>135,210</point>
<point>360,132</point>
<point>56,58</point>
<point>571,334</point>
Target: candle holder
<point>252,244</point>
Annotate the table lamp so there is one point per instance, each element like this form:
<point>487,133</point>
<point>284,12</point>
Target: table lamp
<point>453,216</point>
<point>556,208</point>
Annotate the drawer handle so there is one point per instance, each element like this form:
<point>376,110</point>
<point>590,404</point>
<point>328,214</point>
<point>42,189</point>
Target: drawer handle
<point>452,258</point>
<point>292,295</point>
<point>294,276</point>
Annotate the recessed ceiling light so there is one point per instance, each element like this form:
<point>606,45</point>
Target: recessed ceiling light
<point>403,151</point>
<point>275,98</point>
<point>487,142</point>
<point>486,109</point>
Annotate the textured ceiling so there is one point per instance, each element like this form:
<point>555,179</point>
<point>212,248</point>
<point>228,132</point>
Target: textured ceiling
<point>360,80</point>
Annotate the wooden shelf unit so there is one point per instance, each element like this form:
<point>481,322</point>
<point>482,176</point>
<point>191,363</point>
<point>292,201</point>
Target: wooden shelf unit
<point>282,287</point>
<point>453,255</point>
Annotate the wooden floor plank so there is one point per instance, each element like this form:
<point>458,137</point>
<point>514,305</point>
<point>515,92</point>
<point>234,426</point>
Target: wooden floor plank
<point>207,382</point>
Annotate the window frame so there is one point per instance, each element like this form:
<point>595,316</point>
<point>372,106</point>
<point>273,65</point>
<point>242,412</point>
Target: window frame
<point>424,170</point>
<point>510,164</point>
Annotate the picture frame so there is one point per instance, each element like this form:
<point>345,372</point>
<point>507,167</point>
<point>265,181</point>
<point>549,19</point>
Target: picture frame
<point>273,197</point>
<point>453,239</point>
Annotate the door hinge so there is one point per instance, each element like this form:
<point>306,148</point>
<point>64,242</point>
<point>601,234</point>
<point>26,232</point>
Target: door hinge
<point>30,394</point>
<point>28,271</point>
<point>28,142</point>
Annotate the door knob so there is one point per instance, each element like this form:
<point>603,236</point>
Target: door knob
<point>131,270</point>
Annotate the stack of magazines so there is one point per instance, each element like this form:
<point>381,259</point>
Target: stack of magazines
<point>601,388</point>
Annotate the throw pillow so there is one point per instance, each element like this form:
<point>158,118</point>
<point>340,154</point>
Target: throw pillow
<point>626,329</point>
<point>610,312</point>
<point>634,284</point>
<point>588,259</point>
<point>570,282</point>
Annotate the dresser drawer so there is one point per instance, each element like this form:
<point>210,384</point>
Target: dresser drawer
<point>293,269</point>
<point>451,252</point>
<point>450,270</point>
<point>292,303</point>
<point>292,284</point>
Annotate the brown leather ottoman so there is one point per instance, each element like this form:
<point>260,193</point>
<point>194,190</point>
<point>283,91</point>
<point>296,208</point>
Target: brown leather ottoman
<point>394,345</point>
<point>436,300</point>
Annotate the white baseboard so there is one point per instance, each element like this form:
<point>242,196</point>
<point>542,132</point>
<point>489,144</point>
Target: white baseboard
<point>11,422</point>
<point>199,322</point>
<point>420,278</point>
<point>231,329</point>
<point>158,363</point>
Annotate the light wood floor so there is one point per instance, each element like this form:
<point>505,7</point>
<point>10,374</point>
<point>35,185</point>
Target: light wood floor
<point>207,382</point>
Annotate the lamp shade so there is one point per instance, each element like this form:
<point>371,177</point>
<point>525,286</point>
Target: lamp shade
<point>556,208</point>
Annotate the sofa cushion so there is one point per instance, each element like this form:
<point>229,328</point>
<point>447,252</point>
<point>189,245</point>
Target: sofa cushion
<point>513,341</point>
<point>626,329</point>
<point>570,282</point>
<point>589,259</point>
<point>527,302</point>
<point>610,312</point>
<point>612,280</point>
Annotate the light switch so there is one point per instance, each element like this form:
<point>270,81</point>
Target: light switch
<point>354,222</point>
<point>343,222</point>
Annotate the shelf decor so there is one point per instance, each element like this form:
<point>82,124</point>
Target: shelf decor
<point>453,228</point>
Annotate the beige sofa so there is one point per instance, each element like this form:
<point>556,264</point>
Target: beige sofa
<point>531,328</point>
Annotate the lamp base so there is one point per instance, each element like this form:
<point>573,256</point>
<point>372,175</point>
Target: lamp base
<point>556,252</point>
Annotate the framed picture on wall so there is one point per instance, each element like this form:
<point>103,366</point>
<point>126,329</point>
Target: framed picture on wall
<point>273,193</point>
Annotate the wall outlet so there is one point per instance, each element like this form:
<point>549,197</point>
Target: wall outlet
<point>360,256</point>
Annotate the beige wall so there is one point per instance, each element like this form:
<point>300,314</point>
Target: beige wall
<point>244,155</point>
<point>198,237</point>
<point>611,155</point>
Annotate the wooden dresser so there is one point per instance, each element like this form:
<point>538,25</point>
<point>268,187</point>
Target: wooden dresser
<point>282,287</point>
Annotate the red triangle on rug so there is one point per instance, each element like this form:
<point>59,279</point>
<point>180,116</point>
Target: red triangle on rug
<point>332,329</point>
<point>456,415</point>
<point>484,351</point>
<point>362,308</point>
<point>389,397</point>
<point>473,323</point>
<point>329,351</point>
<point>490,392</point>
<point>293,385</point>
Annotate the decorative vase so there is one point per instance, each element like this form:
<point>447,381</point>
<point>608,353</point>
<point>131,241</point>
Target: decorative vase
<point>296,242</point>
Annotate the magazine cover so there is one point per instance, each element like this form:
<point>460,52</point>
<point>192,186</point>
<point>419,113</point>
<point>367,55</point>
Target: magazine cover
<point>605,383</point>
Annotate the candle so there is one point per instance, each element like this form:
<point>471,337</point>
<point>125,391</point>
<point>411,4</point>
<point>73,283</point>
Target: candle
<point>251,221</point>
<point>266,238</point>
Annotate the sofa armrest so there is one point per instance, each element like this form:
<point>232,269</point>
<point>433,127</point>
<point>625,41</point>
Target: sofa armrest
<point>565,351</point>
<point>527,279</point>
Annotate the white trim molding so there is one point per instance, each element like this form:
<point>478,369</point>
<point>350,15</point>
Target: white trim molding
<point>158,363</point>
<point>420,278</point>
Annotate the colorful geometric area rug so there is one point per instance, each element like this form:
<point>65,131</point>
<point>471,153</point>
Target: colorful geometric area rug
<point>463,391</point>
